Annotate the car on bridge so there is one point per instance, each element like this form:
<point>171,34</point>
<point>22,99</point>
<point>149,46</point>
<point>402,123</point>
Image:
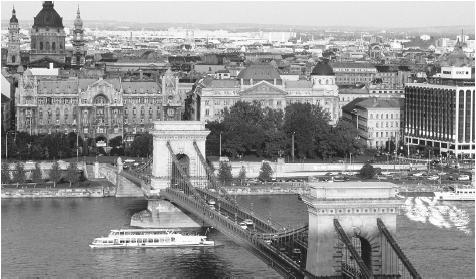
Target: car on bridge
<point>243,225</point>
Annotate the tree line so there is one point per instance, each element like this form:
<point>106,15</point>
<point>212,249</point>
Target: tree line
<point>23,146</point>
<point>19,175</point>
<point>247,128</point>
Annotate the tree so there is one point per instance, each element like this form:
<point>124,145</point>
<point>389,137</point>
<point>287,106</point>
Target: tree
<point>72,173</point>
<point>36,173</point>
<point>19,174</point>
<point>367,171</point>
<point>142,145</point>
<point>224,173</point>
<point>265,172</point>
<point>115,142</point>
<point>390,146</point>
<point>242,175</point>
<point>55,173</point>
<point>310,126</point>
<point>6,179</point>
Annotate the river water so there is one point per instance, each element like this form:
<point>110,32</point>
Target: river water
<point>48,238</point>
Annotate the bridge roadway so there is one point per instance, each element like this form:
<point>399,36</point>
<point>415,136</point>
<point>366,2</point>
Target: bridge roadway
<point>251,241</point>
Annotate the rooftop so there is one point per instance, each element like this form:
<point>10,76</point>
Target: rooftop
<point>259,72</point>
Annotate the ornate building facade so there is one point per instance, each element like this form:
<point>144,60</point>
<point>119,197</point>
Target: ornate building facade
<point>100,109</point>
<point>262,82</point>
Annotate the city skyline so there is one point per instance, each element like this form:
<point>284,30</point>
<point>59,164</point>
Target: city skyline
<point>402,14</point>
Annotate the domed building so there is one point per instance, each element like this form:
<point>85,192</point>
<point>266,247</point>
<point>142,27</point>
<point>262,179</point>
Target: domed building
<point>47,38</point>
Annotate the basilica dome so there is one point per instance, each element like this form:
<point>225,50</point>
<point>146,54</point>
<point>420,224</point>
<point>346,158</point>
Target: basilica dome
<point>48,17</point>
<point>322,69</point>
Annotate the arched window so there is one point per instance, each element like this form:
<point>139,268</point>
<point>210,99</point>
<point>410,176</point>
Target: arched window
<point>327,81</point>
<point>53,46</point>
<point>13,58</point>
<point>61,46</point>
<point>47,45</point>
<point>41,45</point>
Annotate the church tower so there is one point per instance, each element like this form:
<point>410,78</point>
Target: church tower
<point>13,56</point>
<point>172,102</point>
<point>79,52</point>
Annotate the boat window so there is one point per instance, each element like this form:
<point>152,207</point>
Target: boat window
<point>127,241</point>
<point>172,239</point>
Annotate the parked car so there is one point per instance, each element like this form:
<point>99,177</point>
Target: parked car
<point>433,177</point>
<point>464,177</point>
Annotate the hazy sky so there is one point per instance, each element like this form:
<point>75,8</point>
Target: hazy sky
<point>372,14</point>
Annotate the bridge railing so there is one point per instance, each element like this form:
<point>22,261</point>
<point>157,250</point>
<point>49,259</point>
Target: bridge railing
<point>269,254</point>
<point>353,265</point>
<point>211,175</point>
<point>401,264</point>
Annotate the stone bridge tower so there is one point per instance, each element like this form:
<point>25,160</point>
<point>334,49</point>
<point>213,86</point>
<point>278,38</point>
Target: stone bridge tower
<point>356,205</point>
<point>181,135</point>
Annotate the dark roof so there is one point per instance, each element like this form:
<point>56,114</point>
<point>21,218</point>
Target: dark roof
<point>322,69</point>
<point>13,19</point>
<point>259,72</point>
<point>48,17</point>
<point>373,102</point>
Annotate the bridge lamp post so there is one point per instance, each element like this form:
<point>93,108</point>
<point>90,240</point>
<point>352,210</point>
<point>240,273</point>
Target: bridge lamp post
<point>292,144</point>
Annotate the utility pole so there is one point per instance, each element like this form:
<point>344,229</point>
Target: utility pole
<point>220,144</point>
<point>292,148</point>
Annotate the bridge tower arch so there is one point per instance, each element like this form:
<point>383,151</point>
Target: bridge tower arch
<point>180,137</point>
<point>353,209</point>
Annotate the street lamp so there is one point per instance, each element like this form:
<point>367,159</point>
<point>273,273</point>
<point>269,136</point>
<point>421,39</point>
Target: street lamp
<point>292,144</point>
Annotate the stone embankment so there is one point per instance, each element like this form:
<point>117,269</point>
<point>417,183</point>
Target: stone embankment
<point>89,192</point>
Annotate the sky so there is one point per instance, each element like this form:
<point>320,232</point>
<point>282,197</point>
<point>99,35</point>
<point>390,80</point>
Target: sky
<point>388,14</point>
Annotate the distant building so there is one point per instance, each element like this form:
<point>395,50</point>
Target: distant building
<point>378,119</point>
<point>352,73</point>
<point>262,83</point>
<point>441,113</point>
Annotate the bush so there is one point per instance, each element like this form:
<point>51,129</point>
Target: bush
<point>55,173</point>
<point>6,179</point>
<point>367,171</point>
<point>19,174</point>
<point>224,173</point>
<point>72,173</point>
<point>265,172</point>
<point>242,175</point>
<point>36,174</point>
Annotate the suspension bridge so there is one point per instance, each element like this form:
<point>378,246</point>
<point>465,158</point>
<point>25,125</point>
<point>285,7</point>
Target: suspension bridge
<point>349,233</point>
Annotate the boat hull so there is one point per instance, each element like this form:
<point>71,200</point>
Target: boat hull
<point>146,245</point>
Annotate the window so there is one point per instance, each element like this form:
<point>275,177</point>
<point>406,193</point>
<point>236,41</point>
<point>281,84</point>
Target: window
<point>53,46</point>
<point>386,116</point>
<point>376,124</point>
<point>41,45</point>
<point>207,112</point>
<point>13,58</point>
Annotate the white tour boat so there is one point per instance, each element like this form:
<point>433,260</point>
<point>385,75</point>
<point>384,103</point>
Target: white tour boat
<point>459,194</point>
<point>133,238</point>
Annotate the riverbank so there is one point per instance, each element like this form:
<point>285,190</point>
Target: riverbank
<point>89,192</point>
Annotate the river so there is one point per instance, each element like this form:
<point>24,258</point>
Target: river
<point>49,238</point>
